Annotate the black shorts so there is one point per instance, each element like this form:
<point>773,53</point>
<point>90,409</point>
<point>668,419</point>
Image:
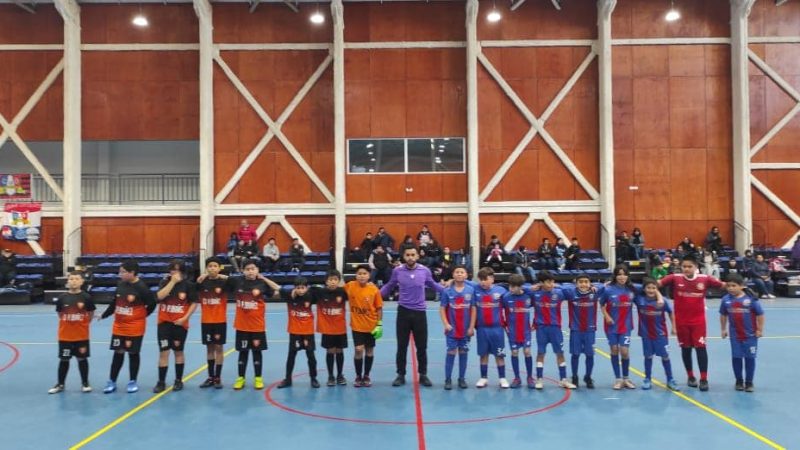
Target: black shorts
<point>68,349</point>
<point>302,342</point>
<point>214,333</point>
<point>365,339</point>
<point>171,337</point>
<point>334,341</point>
<point>245,339</point>
<point>130,344</point>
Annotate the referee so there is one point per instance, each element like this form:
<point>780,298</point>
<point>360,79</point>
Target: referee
<point>411,279</point>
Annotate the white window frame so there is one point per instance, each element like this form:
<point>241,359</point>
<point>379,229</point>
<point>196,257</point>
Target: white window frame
<point>405,155</point>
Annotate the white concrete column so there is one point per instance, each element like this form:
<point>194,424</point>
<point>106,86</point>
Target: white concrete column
<point>207,205</point>
<point>740,89</point>
<point>608,215</point>
<point>473,191</point>
<point>339,157</point>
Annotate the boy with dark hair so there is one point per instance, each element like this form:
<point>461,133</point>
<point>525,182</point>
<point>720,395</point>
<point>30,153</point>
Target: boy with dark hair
<point>653,330</point>
<point>456,314</point>
<point>517,305</point>
<point>177,298</point>
<point>488,321</point>
<point>741,317</point>
<point>573,254</point>
<point>366,322</point>
<point>133,302</point>
<point>547,322</point>
<point>582,307</point>
<point>301,331</point>
<point>213,292</point>
<point>297,255</point>
<point>75,311</point>
<point>332,324</point>
<point>545,253</point>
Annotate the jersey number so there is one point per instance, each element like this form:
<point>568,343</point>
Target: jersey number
<point>244,343</point>
<point>164,343</point>
<point>627,340</point>
<point>115,342</point>
<point>66,353</point>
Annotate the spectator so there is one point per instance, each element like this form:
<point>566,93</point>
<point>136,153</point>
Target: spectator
<point>246,232</point>
<point>251,250</point>
<point>545,254</point>
<point>654,266</point>
<point>297,255</point>
<point>380,265</point>
<point>573,254</point>
<point>675,266</point>
<point>494,259</point>
<point>271,255</point>
<point>426,259</point>
<point>637,243</point>
<point>760,275</point>
<point>732,267</point>
<point>747,262</point>
<point>447,256</point>
<point>713,241</point>
<point>445,272</point>
<point>560,252</point>
<point>424,236</point>
<point>686,247</point>
<point>710,263</point>
<point>239,256</point>
<point>494,240</point>
<point>384,240</point>
<point>463,258</point>
<point>624,250</point>
<point>233,241</point>
<point>408,242</point>
<point>796,254</point>
<point>433,251</point>
<point>523,263</point>
<point>366,247</point>
<point>8,267</point>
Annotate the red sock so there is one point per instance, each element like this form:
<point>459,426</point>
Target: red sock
<point>704,375</point>
<point>690,373</point>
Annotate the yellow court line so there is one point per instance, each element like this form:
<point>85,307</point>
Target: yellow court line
<point>135,410</point>
<point>706,408</point>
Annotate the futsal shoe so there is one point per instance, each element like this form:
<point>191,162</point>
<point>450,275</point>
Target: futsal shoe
<point>704,385</point>
<point>482,382</point>
<point>617,384</point>
<point>531,383</point>
<point>566,384</point>
<point>673,385</point>
<point>331,381</point>
<point>56,389</point>
<point>739,385</point>
<point>516,383</point>
<point>217,383</point>
<point>177,386</point>
<point>589,382</point>
<point>647,384</point>
<point>110,387</point>
<point>425,381</point>
<point>575,380</point>
<point>504,383</point>
<point>462,383</point>
<point>208,383</point>
<point>399,381</point>
<point>159,387</point>
<point>539,385</point>
<point>258,383</point>
<point>341,380</point>
<point>748,387</point>
<point>448,384</point>
<point>285,383</point>
<point>691,382</point>
<point>85,388</point>
<point>358,382</point>
<point>366,382</point>
<point>628,384</point>
<point>239,383</point>
<point>132,387</point>
<point>314,383</point>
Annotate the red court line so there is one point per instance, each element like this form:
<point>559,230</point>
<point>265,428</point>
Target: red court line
<point>417,401</point>
<point>14,359</point>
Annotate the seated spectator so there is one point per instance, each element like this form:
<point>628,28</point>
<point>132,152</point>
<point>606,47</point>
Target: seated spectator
<point>447,256</point>
<point>624,250</point>
<point>271,255</point>
<point>523,264</point>
<point>8,267</point>
<point>637,243</point>
<point>380,263</point>
<point>408,242</point>
<point>366,247</point>
<point>559,253</point>
<point>732,267</point>
<point>573,254</point>
<point>426,259</point>
<point>494,240</point>
<point>675,266</point>
<point>795,255</point>
<point>494,258</point>
<point>424,236</point>
<point>297,255</point>
<point>463,258</point>
<point>686,247</point>
<point>251,250</point>
<point>655,267</point>
<point>545,255</point>
<point>709,262</point>
<point>384,240</point>
<point>432,249</point>
<point>239,256</point>
<point>713,242</point>
<point>233,241</point>
<point>443,273</point>
<point>761,276</point>
<point>246,232</point>
<point>747,262</point>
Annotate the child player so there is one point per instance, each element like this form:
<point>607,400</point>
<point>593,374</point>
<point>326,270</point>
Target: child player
<point>133,302</point>
<point>332,324</point>
<point>251,331</point>
<point>652,311</point>
<point>75,311</point>
<point>366,322</point>
<point>746,318</point>
<point>547,322</point>
<point>517,305</point>
<point>456,313</point>
<point>488,322</point>
<point>689,290</point>
<point>213,289</point>
<point>582,306</point>
<point>177,298</point>
<point>301,331</point>
<point>616,302</point>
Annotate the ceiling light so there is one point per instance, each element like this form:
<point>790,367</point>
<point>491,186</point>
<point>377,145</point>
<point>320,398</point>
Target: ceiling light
<point>493,16</point>
<point>673,14</point>
<point>372,159</point>
<point>441,150</point>
<point>317,18</point>
<point>370,145</point>
<point>140,21</point>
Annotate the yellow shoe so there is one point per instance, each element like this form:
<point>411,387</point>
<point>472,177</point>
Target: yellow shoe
<point>258,383</point>
<point>239,383</point>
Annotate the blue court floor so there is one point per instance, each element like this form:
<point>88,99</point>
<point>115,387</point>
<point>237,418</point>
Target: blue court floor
<point>383,417</point>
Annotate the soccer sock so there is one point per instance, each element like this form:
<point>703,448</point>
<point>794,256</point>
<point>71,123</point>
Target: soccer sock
<point>686,355</point>
<point>574,361</point>
<point>339,363</point>
<point>626,364</point>
<point>329,362</point>
<point>312,363</point>
<point>515,365</point>
<point>83,368</point>
<point>648,368</point>
<point>359,366</point>
<point>702,362</point>
<point>615,365</point>
<point>116,366</point>
<point>210,368</point>
<point>257,362</point>
<point>179,371</point>
<point>539,369</point>
<point>737,369</point>
<point>562,370</point>
<point>217,370</point>
<point>462,365</point>
<point>368,364</point>
<point>667,368</point>
<point>162,374</point>
<point>484,370</point>
<point>529,365</point>
<point>501,371</point>
<point>133,365</point>
<point>243,354</point>
<point>749,369</point>
<point>589,365</point>
<point>63,368</point>
<point>449,360</point>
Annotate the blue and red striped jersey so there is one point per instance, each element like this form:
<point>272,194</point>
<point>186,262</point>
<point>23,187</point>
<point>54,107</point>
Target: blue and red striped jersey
<point>518,314</point>
<point>582,309</point>
<point>618,302</point>
<point>742,312</point>
<point>547,307</point>
<point>652,318</point>
<point>489,304</point>
<point>458,306</point>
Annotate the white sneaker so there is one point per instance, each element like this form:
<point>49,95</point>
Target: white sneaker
<point>86,388</point>
<point>618,384</point>
<point>482,382</point>
<point>504,383</point>
<point>628,384</point>
<point>56,389</point>
<point>770,296</point>
<point>566,384</point>
<point>539,384</point>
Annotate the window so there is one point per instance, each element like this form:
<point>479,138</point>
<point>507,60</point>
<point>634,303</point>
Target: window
<point>412,155</point>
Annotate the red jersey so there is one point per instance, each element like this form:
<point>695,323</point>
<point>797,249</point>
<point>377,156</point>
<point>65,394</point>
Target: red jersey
<point>75,313</point>
<point>250,305</point>
<point>213,297</point>
<point>690,297</point>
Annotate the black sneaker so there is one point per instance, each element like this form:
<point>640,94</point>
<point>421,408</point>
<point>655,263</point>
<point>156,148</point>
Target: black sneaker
<point>341,381</point>
<point>331,381</point>
<point>399,381</point>
<point>217,383</point>
<point>358,382</point>
<point>575,380</point>
<point>448,384</point>
<point>462,383</point>
<point>285,383</point>
<point>748,387</point>
<point>691,382</point>
<point>208,383</point>
<point>425,381</point>
<point>704,385</point>
<point>178,385</point>
<point>739,385</point>
<point>589,382</point>
<point>314,383</point>
<point>160,387</point>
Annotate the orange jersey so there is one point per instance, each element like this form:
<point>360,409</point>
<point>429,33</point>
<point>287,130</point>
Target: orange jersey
<point>213,297</point>
<point>364,305</point>
<point>331,311</point>
<point>250,305</point>
<point>131,306</point>
<point>75,313</point>
<point>301,316</point>
<point>176,304</point>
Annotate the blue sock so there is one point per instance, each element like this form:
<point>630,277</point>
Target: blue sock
<point>539,369</point>
<point>648,368</point>
<point>749,369</point>
<point>501,371</point>
<point>589,365</point>
<point>529,365</point>
<point>562,370</point>
<point>576,359</point>
<point>448,366</point>
<point>484,370</point>
<point>667,368</point>
<point>737,369</point>
<point>462,365</point>
<point>626,363</point>
<point>615,365</point>
<point>515,365</point>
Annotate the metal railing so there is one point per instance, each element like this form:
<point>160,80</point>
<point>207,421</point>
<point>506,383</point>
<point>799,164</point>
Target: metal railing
<point>121,189</point>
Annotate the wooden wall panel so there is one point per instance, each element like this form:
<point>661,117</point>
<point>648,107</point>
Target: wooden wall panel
<point>539,20</point>
<point>404,21</point>
<point>645,19</point>
<point>140,235</point>
<point>111,24</point>
<point>18,26</point>
<point>766,19</point>
<point>22,74</point>
<point>269,23</point>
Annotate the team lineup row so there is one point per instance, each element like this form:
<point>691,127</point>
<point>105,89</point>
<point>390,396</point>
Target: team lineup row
<point>484,310</point>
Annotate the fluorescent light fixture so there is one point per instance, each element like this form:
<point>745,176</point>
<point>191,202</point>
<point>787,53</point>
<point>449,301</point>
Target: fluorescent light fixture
<point>493,16</point>
<point>370,145</point>
<point>672,15</point>
<point>317,18</point>
<point>140,21</point>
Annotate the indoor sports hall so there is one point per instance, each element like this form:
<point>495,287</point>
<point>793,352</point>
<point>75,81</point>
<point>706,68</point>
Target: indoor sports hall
<point>227,185</point>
